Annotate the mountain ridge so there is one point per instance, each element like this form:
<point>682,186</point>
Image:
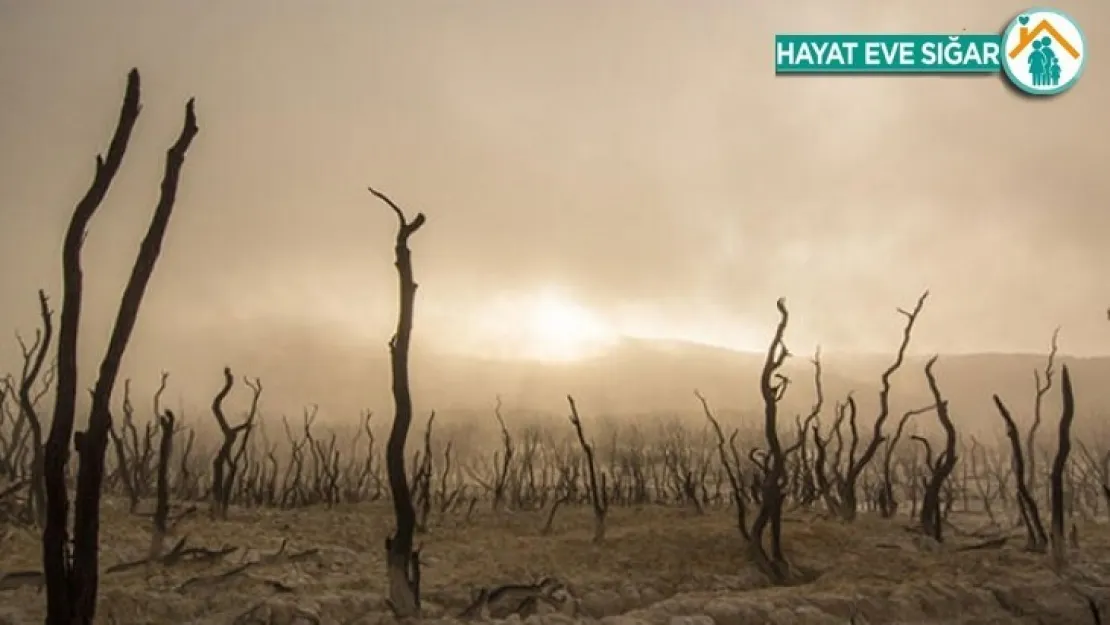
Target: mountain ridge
<point>302,366</point>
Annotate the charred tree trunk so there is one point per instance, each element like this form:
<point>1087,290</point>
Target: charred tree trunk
<point>772,384</point>
<point>847,504</point>
<point>72,579</point>
<point>124,467</point>
<point>61,591</point>
<point>402,562</point>
<point>501,471</point>
<point>422,481</point>
<point>931,516</point>
<point>735,479</point>
<point>32,367</point>
<point>1036,538</point>
<point>888,501</point>
<point>1043,384</point>
<point>224,465</point>
<point>599,497</point>
<point>162,491</point>
<point>1059,467</point>
<point>223,456</point>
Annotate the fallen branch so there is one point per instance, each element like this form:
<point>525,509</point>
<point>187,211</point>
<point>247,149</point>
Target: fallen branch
<point>993,543</point>
<point>278,556</point>
<point>178,554</point>
<point>22,579</point>
<point>209,579</point>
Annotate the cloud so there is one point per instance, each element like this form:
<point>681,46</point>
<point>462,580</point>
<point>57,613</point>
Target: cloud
<point>642,157</point>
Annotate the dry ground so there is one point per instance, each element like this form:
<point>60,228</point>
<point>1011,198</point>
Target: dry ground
<point>657,565</point>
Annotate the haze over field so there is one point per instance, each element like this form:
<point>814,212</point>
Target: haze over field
<point>617,193</point>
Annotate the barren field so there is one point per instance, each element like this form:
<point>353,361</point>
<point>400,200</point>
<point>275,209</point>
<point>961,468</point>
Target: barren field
<point>657,565</point>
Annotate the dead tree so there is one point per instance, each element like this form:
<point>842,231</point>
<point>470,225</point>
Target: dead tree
<point>224,465</point>
<point>1059,467</point>
<point>162,490</point>
<point>599,494</point>
<point>135,460</point>
<point>772,387</point>
<point>127,468</point>
<point>1043,384</point>
<point>187,484</point>
<point>568,478</point>
<point>810,488</point>
<point>33,358</point>
<point>292,492</point>
<point>501,471</point>
<point>732,469</point>
<point>931,517</point>
<point>845,503</point>
<point>888,503</point>
<point>1036,538</point>
<point>369,471</point>
<point>986,479</point>
<point>402,562</point>
<point>447,498</point>
<point>422,478</point>
<point>72,578</point>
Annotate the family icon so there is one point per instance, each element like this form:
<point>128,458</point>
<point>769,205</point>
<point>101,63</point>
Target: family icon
<point>1044,52</point>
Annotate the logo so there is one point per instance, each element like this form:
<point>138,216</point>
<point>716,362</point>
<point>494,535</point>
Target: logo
<point>1044,52</point>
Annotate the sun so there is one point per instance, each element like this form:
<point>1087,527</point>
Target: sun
<point>545,325</point>
<point>560,329</point>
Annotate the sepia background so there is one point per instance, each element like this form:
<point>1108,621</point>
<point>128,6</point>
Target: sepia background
<point>616,194</point>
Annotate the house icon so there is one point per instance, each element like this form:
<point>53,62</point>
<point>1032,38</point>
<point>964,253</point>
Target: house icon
<point>1027,36</point>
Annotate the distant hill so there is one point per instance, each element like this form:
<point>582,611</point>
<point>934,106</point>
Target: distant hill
<point>636,377</point>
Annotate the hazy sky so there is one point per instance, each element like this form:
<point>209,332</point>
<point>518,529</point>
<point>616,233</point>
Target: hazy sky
<point>637,158</point>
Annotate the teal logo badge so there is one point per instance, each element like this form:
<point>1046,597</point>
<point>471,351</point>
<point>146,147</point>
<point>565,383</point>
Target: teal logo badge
<point>1044,52</point>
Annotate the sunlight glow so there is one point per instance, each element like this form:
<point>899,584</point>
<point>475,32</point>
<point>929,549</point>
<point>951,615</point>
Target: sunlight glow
<point>563,330</point>
<point>549,325</point>
<point>545,325</point>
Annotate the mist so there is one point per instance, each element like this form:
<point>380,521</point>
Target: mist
<point>637,166</point>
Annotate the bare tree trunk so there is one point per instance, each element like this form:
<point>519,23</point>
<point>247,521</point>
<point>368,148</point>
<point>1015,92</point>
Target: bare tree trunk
<point>224,466</point>
<point>423,478</point>
<point>599,497</point>
<point>72,580</point>
<point>162,503</point>
<point>847,505</point>
<point>32,367</point>
<point>733,472</point>
<point>772,385</point>
<point>1036,539</point>
<point>1043,385</point>
<point>402,563</point>
<point>501,475</point>
<point>888,502</point>
<point>931,517</point>
<point>61,594</point>
<point>1059,467</point>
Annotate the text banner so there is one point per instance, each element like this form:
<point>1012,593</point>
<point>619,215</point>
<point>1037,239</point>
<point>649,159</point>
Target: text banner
<point>888,54</point>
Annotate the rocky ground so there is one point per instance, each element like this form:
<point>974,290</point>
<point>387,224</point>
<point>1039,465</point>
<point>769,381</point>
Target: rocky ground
<point>664,566</point>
